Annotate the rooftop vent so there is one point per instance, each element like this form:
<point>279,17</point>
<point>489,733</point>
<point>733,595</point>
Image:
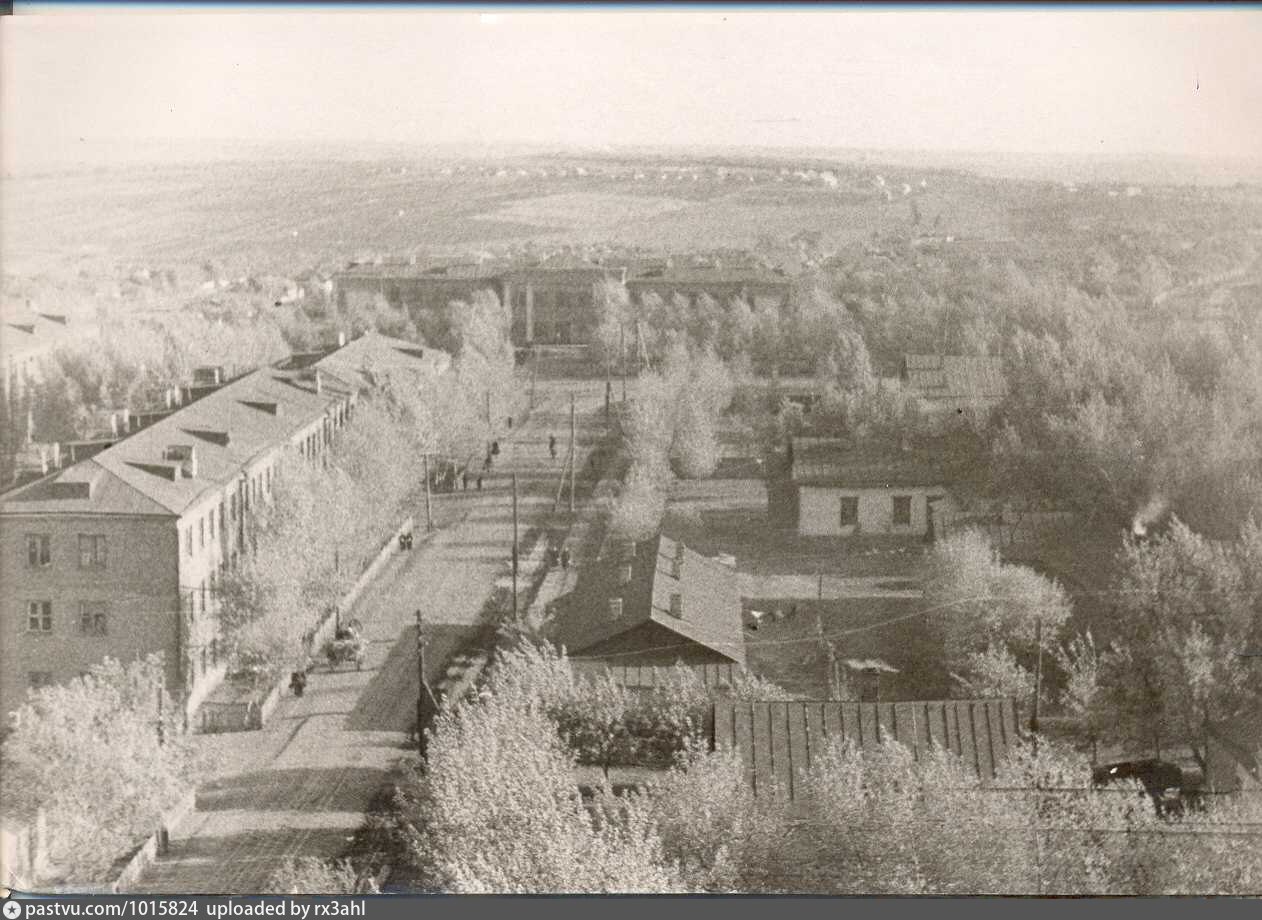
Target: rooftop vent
<point>677,606</point>
<point>186,456</point>
<point>615,607</point>
<point>81,489</point>
<point>208,376</point>
<point>270,408</point>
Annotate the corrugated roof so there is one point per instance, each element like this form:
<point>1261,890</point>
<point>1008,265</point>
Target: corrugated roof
<point>228,428</point>
<point>834,462</point>
<point>710,601</point>
<point>779,741</point>
<point>955,377</point>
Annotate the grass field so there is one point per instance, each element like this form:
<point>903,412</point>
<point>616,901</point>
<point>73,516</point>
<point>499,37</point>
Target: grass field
<point>789,653</point>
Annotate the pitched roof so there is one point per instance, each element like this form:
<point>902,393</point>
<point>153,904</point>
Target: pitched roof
<point>709,600</point>
<point>228,428</point>
<point>837,462</point>
<point>957,377</point>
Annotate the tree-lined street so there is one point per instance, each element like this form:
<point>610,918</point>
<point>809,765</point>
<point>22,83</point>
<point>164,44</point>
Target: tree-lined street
<point>301,786</point>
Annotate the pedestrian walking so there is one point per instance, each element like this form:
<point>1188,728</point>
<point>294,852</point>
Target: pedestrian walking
<point>552,445</point>
<point>565,557</point>
<point>464,481</point>
<point>297,682</point>
<point>479,483</point>
<point>495,448</point>
<point>486,464</point>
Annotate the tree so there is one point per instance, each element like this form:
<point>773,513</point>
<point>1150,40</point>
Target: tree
<point>1189,610</point>
<point>103,755</point>
<point>989,612</point>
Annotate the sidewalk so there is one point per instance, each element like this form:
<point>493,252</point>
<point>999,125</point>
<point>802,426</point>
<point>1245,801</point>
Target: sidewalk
<point>300,786</point>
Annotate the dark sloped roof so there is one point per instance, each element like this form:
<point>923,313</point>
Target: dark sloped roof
<point>778,741</point>
<point>835,462</point>
<point>228,428</point>
<point>711,609</point>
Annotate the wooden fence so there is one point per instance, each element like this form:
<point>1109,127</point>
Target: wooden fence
<point>778,741</point>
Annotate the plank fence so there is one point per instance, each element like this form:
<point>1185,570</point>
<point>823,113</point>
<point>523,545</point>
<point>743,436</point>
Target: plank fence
<point>779,741</point>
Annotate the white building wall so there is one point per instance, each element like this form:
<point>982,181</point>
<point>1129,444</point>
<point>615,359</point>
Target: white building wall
<point>819,510</point>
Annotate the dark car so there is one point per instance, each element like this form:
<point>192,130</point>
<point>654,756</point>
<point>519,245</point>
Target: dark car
<point>1162,781</point>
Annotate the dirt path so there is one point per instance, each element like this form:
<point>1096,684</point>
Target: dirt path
<point>300,787</point>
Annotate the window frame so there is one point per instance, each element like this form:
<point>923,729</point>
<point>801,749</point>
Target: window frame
<point>851,502</point>
<point>894,515</point>
<point>94,618</point>
<point>97,551</point>
<point>43,544</point>
<point>39,617</point>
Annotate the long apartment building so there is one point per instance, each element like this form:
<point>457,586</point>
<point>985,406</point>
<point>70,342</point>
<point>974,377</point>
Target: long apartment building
<point>121,554</point>
<point>554,302</point>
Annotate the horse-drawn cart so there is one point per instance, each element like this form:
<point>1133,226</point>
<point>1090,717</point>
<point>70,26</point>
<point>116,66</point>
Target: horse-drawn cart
<point>347,645</point>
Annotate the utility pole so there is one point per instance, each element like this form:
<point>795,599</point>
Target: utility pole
<point>573,455</point>
<point>425,702</point>
<point>534,370</point>
<point>429,513</point>
<point>161,727</point>
<point>1038,683</point>
<point>622,349</point>
<point>830,656</point>
<point>514,547</point>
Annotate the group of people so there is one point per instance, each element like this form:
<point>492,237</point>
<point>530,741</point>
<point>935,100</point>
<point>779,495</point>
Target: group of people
<point>559,557</point>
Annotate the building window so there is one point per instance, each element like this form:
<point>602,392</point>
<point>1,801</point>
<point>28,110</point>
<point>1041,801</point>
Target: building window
<point>201,534</point>
<point>232,506</point>
<point>92,618</point>
<point>38,550</point>
<point>37,680</point>
<point>188,540</point>
<point>902,510</point>
<point>39,616</point>
<point>849,511</point>
<point>92,551</point>
<point>211,520</point>
<point>221,527</point>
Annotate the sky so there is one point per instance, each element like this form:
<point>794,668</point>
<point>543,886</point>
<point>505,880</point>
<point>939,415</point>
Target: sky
<point>1183,81</point>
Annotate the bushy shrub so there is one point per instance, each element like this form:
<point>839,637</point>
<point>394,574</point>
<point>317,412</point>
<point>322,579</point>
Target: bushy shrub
<point>92,755</point>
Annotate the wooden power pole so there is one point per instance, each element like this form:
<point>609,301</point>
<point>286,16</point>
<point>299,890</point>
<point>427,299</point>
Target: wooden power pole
<point>622,348</point>
<point>573,455</point>
<point>1038,682</point>
<point>425,702</point>
<point>514,547</point>
<point>429,512</point>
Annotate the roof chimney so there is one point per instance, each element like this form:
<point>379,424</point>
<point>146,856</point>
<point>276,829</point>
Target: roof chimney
<point>319,384</point>
<point>677,606</point>
<point>678,566</point>
<point>615,607</point>
<point>341,339</point>
<point>114,420</point>
<point>186,454</point>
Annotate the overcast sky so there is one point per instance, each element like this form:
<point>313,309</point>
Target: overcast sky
<point>1182,81</point>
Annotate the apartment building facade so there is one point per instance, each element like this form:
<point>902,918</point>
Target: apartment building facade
<point>121,555</point>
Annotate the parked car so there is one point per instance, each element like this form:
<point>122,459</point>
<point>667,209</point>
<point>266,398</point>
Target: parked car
<point>1162,781</point>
